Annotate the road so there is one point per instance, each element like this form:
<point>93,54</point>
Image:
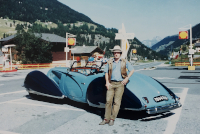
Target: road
<point>22,114</point>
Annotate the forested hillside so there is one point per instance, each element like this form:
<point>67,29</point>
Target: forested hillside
<point>177,42</point>
<point>66,20</point>
<point>43,10</point>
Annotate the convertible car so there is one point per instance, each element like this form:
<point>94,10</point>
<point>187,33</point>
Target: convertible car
<point>85,82</point>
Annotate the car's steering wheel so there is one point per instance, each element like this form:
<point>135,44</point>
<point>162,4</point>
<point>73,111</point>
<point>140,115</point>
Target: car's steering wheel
<point>94,66</point>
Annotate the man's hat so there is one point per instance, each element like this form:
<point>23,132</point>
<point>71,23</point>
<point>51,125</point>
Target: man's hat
<point>116,49</point>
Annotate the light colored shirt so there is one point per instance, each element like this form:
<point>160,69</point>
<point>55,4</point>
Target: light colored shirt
<point>116,72</point>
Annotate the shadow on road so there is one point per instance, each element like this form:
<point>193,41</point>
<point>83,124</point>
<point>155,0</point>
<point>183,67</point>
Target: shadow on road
<point>124,114</point>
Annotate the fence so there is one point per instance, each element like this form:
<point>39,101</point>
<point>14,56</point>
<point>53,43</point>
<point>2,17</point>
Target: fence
<point>35,66</point>
<point>186,64</point>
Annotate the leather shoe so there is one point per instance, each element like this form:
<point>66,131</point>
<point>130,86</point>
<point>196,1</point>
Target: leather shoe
<point>111,122</point>
<point>104,122</point>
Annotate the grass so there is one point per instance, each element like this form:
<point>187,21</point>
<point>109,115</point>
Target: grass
<point>5,28</point>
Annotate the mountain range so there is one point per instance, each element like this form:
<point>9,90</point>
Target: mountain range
<point>171,42</point>
<point>65,18</point>
<point>150,43</point>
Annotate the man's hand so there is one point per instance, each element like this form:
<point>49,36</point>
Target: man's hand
<point>125,81</point>
<point>107,85</point>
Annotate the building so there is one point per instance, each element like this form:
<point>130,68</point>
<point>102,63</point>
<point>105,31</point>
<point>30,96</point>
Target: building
<point>84,52</point>
<point>197,45</point>
<point>59,43</point>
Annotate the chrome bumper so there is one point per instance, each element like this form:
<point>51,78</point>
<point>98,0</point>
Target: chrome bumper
<point>162,109</point>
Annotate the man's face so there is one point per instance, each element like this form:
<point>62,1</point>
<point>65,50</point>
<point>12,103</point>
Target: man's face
<point>117,55</point>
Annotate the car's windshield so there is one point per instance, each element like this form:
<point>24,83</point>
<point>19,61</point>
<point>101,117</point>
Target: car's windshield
<point>84,63</point>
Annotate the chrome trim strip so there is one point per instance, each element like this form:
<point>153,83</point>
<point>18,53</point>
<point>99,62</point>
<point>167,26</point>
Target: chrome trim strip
<point>38,93</point>
<point>135,109</point>
<point>162,109</point>
<point>94,105</point>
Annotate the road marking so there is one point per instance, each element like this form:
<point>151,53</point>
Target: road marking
<point>39,105</point>
<point>7,132</point>
<point>13,100</point>
<point>172,120</point>
<point>13,92</point>
<point>163,78</point>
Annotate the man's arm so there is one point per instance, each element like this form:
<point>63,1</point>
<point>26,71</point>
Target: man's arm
<point>107,81</point>
<point>131,69</point>
<point>125,81</point>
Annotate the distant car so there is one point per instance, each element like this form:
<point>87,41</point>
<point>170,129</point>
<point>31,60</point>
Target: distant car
<point>85,82</point>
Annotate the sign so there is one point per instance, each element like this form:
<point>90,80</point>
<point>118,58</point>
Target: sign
<point>4,49</point>
<point>134,51</point>
<point>123,36</point>
<point>183,35</point>
<point>66,49</point>
<point>191,51</point>
<point>71,41</point>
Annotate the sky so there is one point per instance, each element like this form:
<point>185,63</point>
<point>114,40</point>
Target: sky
<point>145,18</point>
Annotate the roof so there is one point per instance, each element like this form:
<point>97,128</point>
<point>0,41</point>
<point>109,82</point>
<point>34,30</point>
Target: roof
<point>44,36</point>
<point>84,49</point>
<point>197,45</point>
<point>8,38</point>
<point>51,37</point>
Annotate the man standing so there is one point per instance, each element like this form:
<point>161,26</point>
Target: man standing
<point>116,79</point>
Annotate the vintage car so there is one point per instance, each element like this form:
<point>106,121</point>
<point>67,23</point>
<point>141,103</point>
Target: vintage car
<point>85,82</point>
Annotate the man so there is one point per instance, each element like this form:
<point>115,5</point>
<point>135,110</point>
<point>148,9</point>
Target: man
<point>116,79</point>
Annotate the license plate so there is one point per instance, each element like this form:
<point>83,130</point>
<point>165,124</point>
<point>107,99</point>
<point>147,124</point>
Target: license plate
<point>160,98</point>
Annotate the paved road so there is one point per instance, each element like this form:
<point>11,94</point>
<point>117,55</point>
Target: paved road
<point>21,114</point>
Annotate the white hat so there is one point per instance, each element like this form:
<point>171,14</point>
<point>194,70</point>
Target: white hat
<point>116,49</point>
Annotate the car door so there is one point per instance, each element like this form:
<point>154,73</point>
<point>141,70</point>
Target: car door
<point>71,85</point>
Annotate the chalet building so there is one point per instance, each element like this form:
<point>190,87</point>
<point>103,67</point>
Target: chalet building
<point>197,45</point>
<point>59,43</point>
<point>84,52</point>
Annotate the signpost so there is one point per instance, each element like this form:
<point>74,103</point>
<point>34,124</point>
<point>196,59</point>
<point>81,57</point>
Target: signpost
<point>69,41</point>
<point>123,36</point>
<point>7,46</point>
<point>184,35</point>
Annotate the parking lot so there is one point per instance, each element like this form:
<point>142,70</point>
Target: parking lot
<point>21,113</point>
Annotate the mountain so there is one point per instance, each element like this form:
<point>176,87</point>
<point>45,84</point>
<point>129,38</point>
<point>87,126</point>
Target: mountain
<point>165,45</point>
<point>161,45</point>
<point>43,10</point>
<point>152,42</point>
<point>51,16</point>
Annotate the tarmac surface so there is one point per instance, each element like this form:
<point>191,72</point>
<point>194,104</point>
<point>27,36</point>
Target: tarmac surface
<point>20,113</point>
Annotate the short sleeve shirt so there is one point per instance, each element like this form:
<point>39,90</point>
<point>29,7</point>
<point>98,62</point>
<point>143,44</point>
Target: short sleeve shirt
<point>116,72</point>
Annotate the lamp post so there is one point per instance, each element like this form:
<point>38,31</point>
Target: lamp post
<point>191,51</point>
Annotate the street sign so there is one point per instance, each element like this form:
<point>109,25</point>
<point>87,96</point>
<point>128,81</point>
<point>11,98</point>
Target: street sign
<point>191,51</point>
<point>66,49</point>
<point>4,49</point>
